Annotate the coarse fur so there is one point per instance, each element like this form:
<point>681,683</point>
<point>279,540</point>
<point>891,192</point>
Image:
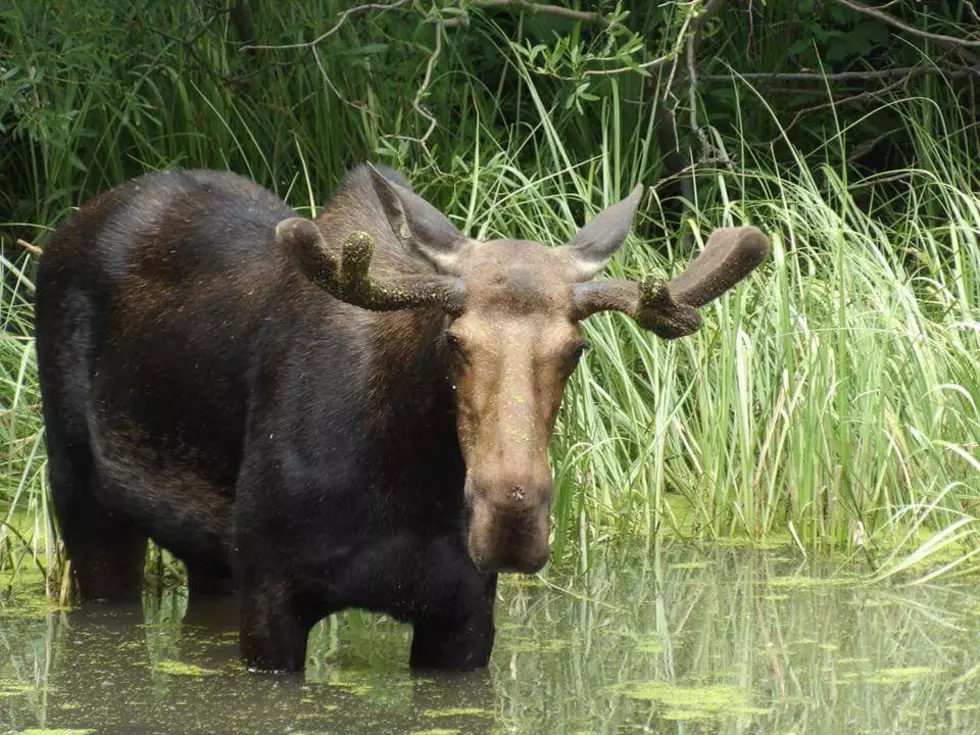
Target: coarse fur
<point>225,378</point>
<point>199,390</point>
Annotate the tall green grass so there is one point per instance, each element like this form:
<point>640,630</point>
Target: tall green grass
<point>830,401</point>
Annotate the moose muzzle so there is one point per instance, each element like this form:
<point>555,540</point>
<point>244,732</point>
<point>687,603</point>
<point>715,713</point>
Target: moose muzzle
<point>509,521</point>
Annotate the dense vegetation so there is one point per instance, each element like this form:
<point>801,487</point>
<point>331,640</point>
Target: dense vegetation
<point>832,399</point>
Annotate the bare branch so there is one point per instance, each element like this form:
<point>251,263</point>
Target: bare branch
<point>333,88</point>
<point>555,10</point>
<point>32,249</point>
<point>902,25</point>
<point>647,65</point>
<point>341,20</point>
<point>844,76</point>
<point>973,10</point>
<point>681,35</point>
<point>866,96</point>
<point>426,81</point>
<point>693,41</point>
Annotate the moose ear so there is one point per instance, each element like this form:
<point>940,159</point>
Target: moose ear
<point>419,226</point>
<point>598,241</point>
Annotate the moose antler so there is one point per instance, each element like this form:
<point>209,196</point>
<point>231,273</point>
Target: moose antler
<point>669,310</point>
<point>347,278</point>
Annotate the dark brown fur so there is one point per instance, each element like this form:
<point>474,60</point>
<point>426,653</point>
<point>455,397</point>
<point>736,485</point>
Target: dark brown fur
<point>206,385</point>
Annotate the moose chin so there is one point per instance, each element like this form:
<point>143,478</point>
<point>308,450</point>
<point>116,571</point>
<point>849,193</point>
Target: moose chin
<point>349,411</point>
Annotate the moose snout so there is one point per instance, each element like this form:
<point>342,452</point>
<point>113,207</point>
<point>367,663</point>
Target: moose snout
<point>509,523</point>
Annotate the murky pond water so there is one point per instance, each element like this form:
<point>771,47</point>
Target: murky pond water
<point>681,641</point>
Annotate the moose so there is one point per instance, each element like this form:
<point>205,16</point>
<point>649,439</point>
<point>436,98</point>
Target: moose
<point>319,414</point>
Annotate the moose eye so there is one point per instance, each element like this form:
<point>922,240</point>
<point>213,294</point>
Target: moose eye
<point>455,344</point>
<point>577,353</point>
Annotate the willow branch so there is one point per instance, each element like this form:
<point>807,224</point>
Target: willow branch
<point>32,249</point>
<point>902,25</point>
<point>342,18</point>
<point>693,41</point>
<point>426,81</point>
<point>843,76</point>
<point>555,10</point>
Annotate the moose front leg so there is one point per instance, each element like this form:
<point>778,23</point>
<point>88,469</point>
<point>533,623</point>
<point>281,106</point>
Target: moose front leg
<point>454,645</point>
<point>274,630</point>
<point>459,636</point>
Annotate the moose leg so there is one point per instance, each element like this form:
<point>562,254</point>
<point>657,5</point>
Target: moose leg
<point>107,553</point>
<point>459,638</point>
<point>273,633</point>
<point>440,643</point>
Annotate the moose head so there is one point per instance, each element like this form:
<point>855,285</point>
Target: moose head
<point>513,310</point>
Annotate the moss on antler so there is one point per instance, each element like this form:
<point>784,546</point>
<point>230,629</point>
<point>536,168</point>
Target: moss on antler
<point>348,279</point>
<point>658,311</point>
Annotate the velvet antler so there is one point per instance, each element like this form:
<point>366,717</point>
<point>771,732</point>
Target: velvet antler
<point>347,278</point>
<point>669,310</point>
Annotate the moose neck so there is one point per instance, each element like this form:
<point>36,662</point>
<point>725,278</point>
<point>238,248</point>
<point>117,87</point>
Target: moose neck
<point>411,393</point>
<point>408,389</point>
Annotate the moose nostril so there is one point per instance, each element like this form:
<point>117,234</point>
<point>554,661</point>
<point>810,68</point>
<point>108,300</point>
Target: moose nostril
<point>517,492</point>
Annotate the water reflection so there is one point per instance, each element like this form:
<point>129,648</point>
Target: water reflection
<point>679,641</point>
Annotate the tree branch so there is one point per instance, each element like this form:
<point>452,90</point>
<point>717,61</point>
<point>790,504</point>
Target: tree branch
<point>555,10</point>
<point>426,81</point>
<point>32,249</point>
<point>844,76</point>
<point>333,88</point>
<point>693,41</point>
<point>902,25</point>
<point>341,20</point>
<point>866,96</point>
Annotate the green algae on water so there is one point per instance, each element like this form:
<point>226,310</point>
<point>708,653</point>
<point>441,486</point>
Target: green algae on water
<point>458,712</point>
<point>179,668</point>
<point>901,675</point>
<point>687,714</point>
<point>532,645</point>
<point>27,604</point>
<point>352,682</point>
<point>649,644</point>
<point>810,581</point>
<point>9,688</point>
<point>47,731</point>
<point>713,700</point>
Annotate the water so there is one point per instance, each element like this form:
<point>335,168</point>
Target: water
<point>685,641</point>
